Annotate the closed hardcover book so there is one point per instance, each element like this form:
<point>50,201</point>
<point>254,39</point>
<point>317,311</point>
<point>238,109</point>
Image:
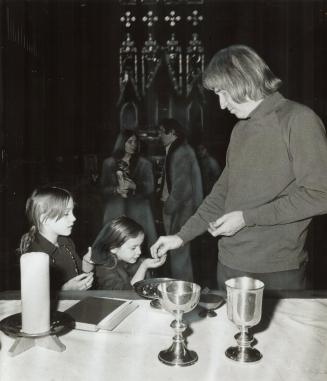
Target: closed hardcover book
<point>94,313</point>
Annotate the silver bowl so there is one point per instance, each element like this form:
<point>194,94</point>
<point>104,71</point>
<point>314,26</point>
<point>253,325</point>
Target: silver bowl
<point>148,289</point>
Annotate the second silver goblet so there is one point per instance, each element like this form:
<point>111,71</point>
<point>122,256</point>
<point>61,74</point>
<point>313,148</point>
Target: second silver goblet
<point>178,297</point>
<point>244,303</point>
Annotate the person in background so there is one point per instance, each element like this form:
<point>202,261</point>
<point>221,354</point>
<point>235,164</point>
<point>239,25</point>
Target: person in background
<point>274,180</point>
<point>116,254</point>
<point>127,184</point>
<point>207,261</point>
<point>50,214</point>
<point>210,169</point>
<point>181,192</point>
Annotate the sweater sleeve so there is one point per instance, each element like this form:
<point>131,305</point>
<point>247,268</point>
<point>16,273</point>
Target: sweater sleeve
<point>308,193</point>
<point>211,208</point>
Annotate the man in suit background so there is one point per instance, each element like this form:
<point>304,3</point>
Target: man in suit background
<point>181,191</point>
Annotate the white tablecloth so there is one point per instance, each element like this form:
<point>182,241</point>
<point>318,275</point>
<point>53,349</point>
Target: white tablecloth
<point>292,337</point>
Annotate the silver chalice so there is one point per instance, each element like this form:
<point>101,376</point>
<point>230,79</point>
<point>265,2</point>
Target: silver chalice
<point>178,297</point>
<point>244,304</point>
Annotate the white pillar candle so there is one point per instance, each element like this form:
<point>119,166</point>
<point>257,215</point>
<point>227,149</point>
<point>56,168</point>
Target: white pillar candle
<point>35,292</point>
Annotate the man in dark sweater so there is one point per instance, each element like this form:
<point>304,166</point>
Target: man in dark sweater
<point>274,182</point>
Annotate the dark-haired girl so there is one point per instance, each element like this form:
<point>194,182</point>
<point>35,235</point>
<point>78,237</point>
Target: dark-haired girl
<point>116,255</point>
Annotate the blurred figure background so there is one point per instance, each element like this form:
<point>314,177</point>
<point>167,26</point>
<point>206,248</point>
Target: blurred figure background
<point>127,184</point>
<point>210,169</point>
<point>180,193</point>
<point>207,261</point>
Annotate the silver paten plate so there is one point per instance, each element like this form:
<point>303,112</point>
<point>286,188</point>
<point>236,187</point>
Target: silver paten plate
<point>148,288</point>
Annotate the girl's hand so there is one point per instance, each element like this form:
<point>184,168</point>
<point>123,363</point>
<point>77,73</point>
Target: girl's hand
<point>152,263</point>
<point>123,193</point>
<point>131,184</point>
<point>122,188</point>
<point>87,263</point>
<point>80,282</point>
<point>148,263</point>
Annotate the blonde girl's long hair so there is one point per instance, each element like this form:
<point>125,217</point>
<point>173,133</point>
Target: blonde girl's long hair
<point>46,202</point>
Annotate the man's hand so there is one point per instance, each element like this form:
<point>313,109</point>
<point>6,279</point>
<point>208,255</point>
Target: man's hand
<point>163,244</point>
<point>228,224</point>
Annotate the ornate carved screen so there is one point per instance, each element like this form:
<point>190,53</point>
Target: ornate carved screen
<point>161,62</point>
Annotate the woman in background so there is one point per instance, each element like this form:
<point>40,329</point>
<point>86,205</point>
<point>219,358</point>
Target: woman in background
<point>116,255</point>
<point>50,213</point>
<point>127,184</point>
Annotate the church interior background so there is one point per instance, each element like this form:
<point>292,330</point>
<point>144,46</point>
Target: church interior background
<point>76,72</point>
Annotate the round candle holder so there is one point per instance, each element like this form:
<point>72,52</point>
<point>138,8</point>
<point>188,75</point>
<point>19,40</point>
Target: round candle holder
<point>59,324</point>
